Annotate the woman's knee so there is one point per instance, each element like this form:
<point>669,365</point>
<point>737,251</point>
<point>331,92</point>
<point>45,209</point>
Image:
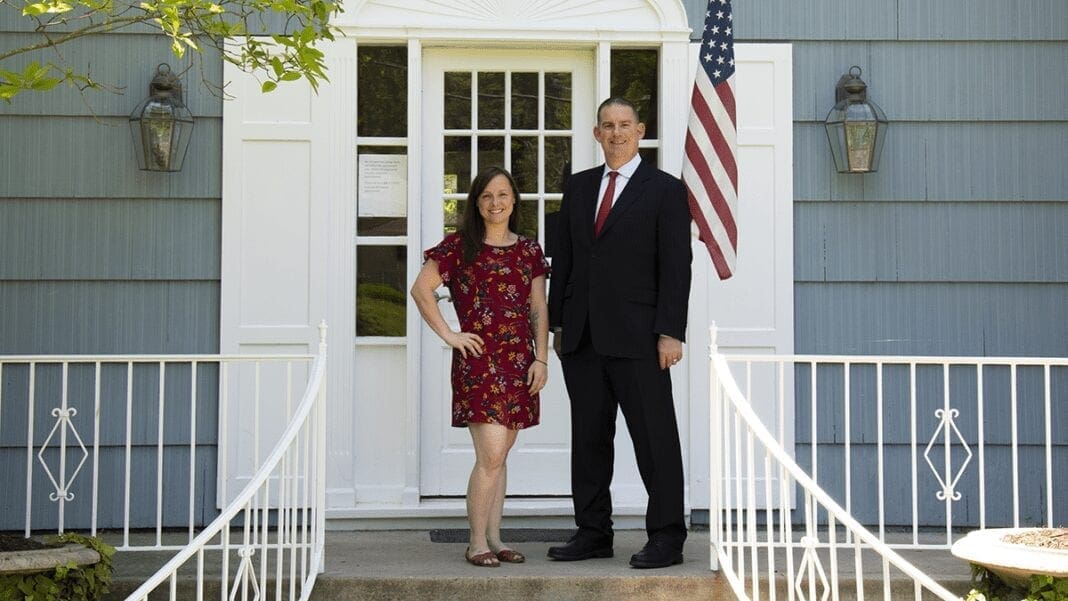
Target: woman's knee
<point>491,459</point>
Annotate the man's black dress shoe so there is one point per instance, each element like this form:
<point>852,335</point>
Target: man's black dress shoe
<point>656,554</point>
<point>582,547</point>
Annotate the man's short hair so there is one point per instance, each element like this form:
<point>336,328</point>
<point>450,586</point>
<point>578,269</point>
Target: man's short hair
<point>617,101</point>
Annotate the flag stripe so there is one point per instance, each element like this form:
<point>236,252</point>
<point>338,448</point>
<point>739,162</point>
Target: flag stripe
<point>708,192</point>
<point>723,173</point>
<point>710,136</point>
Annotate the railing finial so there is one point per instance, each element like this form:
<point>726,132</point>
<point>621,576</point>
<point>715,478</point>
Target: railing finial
<point>322,331</point>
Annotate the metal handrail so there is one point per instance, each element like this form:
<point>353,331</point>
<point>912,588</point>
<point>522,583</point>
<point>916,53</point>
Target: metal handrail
<point>722,379</point>
<point>313,398</point>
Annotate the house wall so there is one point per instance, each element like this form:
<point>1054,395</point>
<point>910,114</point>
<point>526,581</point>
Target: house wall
<point>98,257</point>
<point>955,247</point>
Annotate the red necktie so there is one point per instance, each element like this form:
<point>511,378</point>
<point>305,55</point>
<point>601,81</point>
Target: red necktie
<point>606,203</point>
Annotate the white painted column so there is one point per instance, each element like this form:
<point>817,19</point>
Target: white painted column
<point>410,494</point>
<point>335,124</point>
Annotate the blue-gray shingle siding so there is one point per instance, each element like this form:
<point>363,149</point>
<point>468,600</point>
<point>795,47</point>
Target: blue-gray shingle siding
<point>98,257</point>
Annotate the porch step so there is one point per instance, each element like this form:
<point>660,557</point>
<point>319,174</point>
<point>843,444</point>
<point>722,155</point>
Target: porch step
<point>525,588</point>
<point>408,566</point>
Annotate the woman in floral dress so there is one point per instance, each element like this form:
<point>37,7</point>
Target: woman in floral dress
<point>499,363</point>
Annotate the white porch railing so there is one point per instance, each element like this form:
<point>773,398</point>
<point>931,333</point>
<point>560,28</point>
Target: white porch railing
<point>281,511</point>
<point>913,450</point>
<point>142,449</point>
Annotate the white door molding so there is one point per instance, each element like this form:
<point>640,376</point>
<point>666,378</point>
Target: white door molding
<point>288,229</point>
<point>586,20</point>
<point>754,310</point>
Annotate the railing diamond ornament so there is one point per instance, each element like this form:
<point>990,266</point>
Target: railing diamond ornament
<point>946,421</point>
<point>63,419</point>
<point>248,568</point>
<point>810,560</point>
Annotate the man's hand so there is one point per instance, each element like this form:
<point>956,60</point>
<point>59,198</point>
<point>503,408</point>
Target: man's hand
<point>670,351</point>
<point>558,341</point>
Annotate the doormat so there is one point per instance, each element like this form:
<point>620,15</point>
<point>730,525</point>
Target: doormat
<point>508,535</point>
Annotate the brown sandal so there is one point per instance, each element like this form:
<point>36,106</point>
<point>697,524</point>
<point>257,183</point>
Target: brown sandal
<point>511,556</point>
<point>482,560</point>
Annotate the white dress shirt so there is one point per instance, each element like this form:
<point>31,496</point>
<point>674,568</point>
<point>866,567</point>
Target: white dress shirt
<point>626,171</point>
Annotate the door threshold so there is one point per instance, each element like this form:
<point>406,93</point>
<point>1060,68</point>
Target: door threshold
<point>452,513</point>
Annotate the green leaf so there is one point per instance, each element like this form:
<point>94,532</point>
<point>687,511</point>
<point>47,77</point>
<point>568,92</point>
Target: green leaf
<point>33,10</point>
<point>43,85</point>
<point>291,76</point>
<point>268,86</point>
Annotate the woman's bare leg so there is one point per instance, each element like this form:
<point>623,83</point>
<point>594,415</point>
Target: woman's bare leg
<point>492,443</point>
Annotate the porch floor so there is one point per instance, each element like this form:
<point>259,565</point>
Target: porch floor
<point>406,564</point>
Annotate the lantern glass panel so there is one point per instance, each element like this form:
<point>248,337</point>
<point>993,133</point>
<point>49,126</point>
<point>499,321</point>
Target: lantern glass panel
<point>860,144</point>
<point>836,137</point>
<point>161,129</point>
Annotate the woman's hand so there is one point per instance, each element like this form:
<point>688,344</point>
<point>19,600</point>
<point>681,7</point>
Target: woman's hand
<point>465,342</point>
<point>537,376</point>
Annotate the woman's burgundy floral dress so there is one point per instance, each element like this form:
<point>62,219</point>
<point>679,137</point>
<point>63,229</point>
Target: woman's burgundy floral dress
<point>492,299</point>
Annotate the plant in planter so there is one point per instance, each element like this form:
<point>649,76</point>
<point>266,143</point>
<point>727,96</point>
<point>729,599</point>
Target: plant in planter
<point>70,566</point>
<point>1014,564</point>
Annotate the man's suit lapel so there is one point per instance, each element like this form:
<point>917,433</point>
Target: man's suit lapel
<point>590,187</point>
<point>630,194</point>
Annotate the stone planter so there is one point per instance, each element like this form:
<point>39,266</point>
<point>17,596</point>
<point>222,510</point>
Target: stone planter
<point>43,560</point>
<point>1012,562</point>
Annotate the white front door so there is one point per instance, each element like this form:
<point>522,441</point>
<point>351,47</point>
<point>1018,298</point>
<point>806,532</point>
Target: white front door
<point>530,111</point>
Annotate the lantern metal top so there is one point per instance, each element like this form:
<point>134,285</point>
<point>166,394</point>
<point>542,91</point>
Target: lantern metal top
<point>166,84</point>
<point>851,87</point>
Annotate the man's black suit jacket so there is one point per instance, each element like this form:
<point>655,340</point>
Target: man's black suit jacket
<point>631,283</point>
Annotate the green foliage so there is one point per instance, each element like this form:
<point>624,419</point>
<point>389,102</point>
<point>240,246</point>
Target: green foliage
<point>380,310</point>
<point>986,586</point>
<point>65,582</point>
<point>289,54</point>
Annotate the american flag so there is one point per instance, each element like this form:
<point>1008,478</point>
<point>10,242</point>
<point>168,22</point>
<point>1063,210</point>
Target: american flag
<point>709,168</point>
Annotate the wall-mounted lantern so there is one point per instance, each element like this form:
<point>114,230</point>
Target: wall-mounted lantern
<point>162,125</point>
<point>856,126</point>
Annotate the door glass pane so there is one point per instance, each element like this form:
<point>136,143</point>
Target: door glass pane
<point>557,163</point>
<point>635,77</point>
<point>649,155</point>
<point>381,206</point>
<point>457,100</point>
<point>525,163</point>
<point>558,101</point>
<point>453,209</point>
<point>552,225</point>
<point>524,101</point>
<point>490,151</point>
<point>491,100</point>
<point>380,284</point>
<point>381,74</point>
<point>528,217</point>
<point>457,164</point>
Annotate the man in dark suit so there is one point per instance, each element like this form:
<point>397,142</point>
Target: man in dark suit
<point>617,305</point>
